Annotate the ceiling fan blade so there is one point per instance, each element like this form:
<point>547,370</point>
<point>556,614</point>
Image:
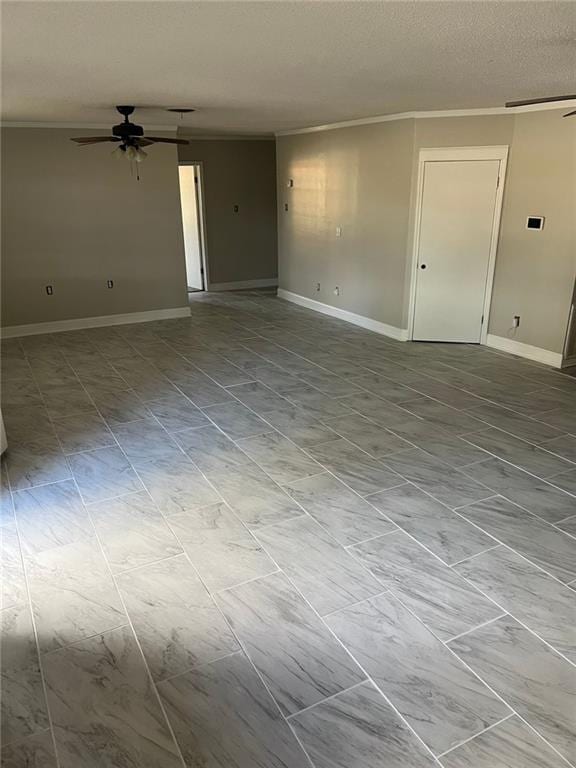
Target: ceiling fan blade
<point>569,114</point>
<point>144,142</point>
<point>159,140</point>
<point>95,139</point>
<point>527,102</point>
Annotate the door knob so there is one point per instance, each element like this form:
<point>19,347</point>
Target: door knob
<point>422,266</point>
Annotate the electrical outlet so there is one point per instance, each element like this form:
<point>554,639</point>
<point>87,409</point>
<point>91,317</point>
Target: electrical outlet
<point>236,208</point>
<point>515,321</point>
<point>337,291</point>
<point>317,287</point>
<point>338,231</point>
<point>49,290</point>
<point>110,283</point>
<point>285,206</point>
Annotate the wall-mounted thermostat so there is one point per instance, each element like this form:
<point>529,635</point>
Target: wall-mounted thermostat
<point>535,222</point>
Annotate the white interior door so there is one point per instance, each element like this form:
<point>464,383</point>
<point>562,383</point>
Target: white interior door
<point>191,226</point>
<point>456,225</point>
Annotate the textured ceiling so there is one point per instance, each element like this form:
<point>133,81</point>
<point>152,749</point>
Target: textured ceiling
<point>269,66</point>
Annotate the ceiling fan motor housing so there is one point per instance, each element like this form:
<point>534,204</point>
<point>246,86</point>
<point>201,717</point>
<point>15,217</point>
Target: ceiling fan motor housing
<point>127,130</point>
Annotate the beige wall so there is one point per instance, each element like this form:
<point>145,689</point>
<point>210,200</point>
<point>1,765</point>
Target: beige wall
<point>244,245</point>
<point>364,177</point>
<point>357,179</point>
<point>74,217</point>
<point>535,270</point>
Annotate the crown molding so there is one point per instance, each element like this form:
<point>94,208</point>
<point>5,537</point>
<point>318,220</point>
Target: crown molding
<point>225,137</point>
<point>425,115</point>
<point>82,126</point>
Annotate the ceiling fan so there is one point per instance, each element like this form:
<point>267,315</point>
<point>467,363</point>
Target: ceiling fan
<point>130,138</point>
<point>542,101</point>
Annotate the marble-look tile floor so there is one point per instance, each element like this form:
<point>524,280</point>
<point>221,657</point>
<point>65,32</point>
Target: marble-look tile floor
<point>260,537</point>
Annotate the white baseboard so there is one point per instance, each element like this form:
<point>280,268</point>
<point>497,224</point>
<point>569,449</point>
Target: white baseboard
<point>400,334</point>
<point>239,285</point>
<point>33,329</point>
<point>524,350</point>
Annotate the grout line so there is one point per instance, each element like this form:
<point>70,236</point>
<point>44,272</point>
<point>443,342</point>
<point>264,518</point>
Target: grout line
<point>472,629</point>
<point>477,735</point>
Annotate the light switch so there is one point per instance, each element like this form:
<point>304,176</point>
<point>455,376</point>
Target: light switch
<point>338,231</point>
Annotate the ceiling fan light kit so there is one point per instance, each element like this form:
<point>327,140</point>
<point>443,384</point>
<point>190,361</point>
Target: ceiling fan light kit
<point>129,137</point>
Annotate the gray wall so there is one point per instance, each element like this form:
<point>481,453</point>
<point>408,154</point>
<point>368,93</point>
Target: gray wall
<point>244,245</point>
<point>357,179</point>
<point>74,217</point>
<point>363,178</point>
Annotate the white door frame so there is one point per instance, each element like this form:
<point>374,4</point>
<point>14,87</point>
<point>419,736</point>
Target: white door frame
<point>201,218</point>
<point>459,153</point>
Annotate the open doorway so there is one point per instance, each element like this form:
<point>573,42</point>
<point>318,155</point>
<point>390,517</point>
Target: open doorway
<point>191,202</point>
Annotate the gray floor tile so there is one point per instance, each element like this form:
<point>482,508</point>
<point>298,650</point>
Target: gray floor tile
<point>28,424</point>
<point>452,420</point>
<point>222,550</point>
<point>73,595</point>
<point>175,619</point>
<point>526,490</point>
<point>50,516</point>
<point>566,481</point>
<point>300,427</point>
<point>529,594</point>
<point>175,484</point>
<point>439,697</point>
<point>222,715</point>
<point>537,683</point>
<point>446,484</point>
<point>103,474</point>
<point>256,499</point>
<point>346,516</point>
<point>359,728</point>
<point>564,446</point>
<point>35,464</point>
<point>329,383</point>
<point>211,450</point>
<point>236,420</point>
<point>407,469</point>
<point>540,542</point>
<point>132,531</point>
<point>368,436</point>
<point>514,423</point>
<point>296,654</point>
<point>12,579</point>
<point>434,525</point>
<point>203,391</point>
<point>83,432</point>
<point>442,599</point>
<point>354,467</point>
<point>328,576</point>
<point>176,413</point>
<point>144,439</point>
<point>67,400</point>
<point>279,457</point>
<point>103,707</point>
<point>36,751</point>
<point>375,408</point>
<point>120,407</point>
<point>316,403</point>
<point>257,396</point>
<point>511,744</point>
<point>385,388</point>
<point>448,448</point>
<point>23,709</point>
<point>523,455</point>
